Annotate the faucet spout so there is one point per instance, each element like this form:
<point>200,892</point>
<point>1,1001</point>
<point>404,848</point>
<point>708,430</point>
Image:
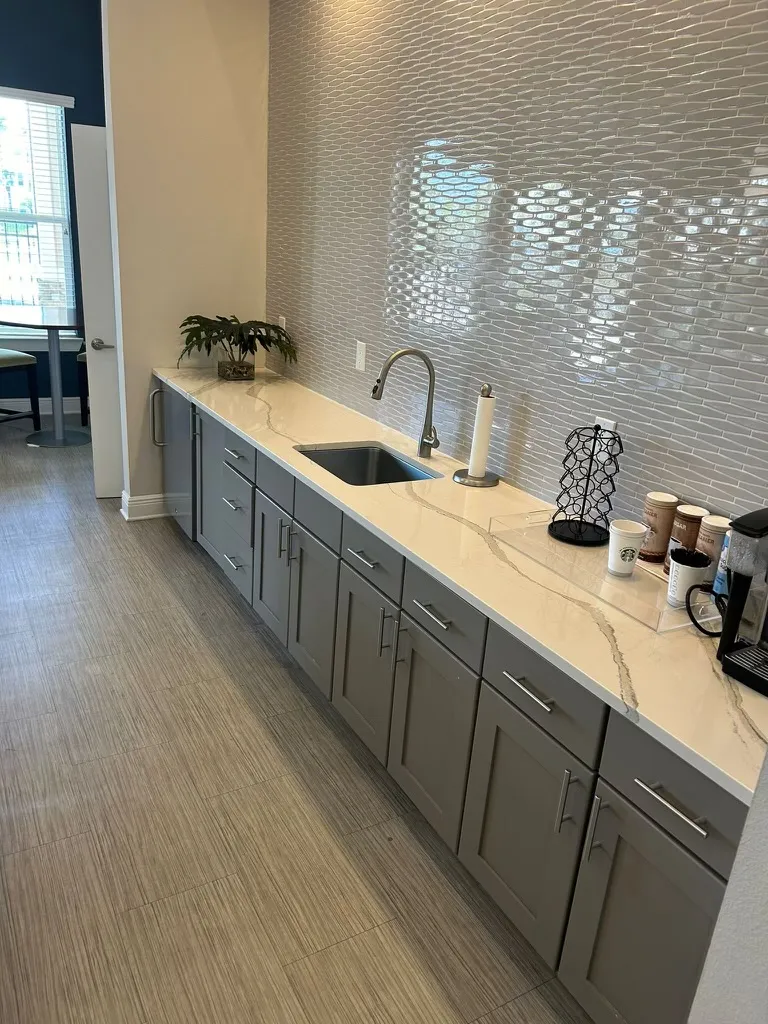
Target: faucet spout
<point>429,438</point>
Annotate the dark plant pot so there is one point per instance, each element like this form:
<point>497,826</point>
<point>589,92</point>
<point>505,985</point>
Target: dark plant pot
<point>235,371</point>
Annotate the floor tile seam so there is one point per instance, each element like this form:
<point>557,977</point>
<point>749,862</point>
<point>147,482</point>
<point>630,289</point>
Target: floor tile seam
<point>124,911</point>
<point>340,942</point>
<point>41,846</point>
<point>510,1002</point>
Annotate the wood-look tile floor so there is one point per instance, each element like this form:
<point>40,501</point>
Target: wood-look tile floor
<point>188,833</point>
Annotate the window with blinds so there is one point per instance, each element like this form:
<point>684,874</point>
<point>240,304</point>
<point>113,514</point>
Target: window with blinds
<point>36,267</point>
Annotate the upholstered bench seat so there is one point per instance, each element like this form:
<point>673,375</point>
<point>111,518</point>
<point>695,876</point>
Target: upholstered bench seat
<point>11,359</point>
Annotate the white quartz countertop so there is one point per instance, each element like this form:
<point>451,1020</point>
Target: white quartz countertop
<point>670,684</point>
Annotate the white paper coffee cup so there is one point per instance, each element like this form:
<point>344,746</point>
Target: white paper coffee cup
<point>625,538</point>
<point>686,569</point>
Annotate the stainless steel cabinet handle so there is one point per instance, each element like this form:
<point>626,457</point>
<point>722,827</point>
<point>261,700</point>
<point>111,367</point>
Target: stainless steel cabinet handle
<point>380,638</point>
<point>153,418</point>
<point>359,555</point>
<point>559,816</point>
<point>232,504</point>
<point>99,344</point>
<point>233,563</point>
<point>690,822</point>
<point>442,623</point>
<point>291,535</point>
<point>235,455</point>
<point>545,705</point>
<point>589,842</point>
<point>280,549</point>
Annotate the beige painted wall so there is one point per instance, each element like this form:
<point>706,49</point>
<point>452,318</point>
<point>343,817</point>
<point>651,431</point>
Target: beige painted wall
<point>187,111</point>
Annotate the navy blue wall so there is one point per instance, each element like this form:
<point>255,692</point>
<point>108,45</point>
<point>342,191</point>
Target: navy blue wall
<point>54,46</point>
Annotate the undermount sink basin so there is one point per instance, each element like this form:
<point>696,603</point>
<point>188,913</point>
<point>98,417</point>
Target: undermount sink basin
<point>364,463</point>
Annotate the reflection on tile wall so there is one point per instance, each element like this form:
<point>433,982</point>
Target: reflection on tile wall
<point>566,198</point>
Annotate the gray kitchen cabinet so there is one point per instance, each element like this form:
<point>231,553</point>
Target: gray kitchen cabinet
<point>524,817</point>
<point>433,719</point>
<point>314,583</point>
<point>271,569</point>
<point>641,920</point>
<point>210,508</point>
<point>179,459</point>
<point>363,674</point>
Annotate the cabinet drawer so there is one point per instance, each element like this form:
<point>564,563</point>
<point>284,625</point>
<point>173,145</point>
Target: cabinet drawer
<point>445,615</point>
<point>562,707</point>
<point>688,805</point>
<point>275,482</point>
<point>237,502</point>
<point>318,515</point>
<point>236,559</point>
<point>372,558</point>
<point>240,454</point>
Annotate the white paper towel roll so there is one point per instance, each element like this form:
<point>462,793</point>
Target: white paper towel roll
<point>481,436</point>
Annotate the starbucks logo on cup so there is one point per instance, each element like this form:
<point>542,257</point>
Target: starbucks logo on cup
<point>628,554</point>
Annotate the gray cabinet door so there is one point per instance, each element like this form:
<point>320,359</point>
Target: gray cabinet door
<point>312,615</point>
<point>526,808</point>
<point>366,638</point>
<point>271,570</point>
<point>642,916</point>
<point>178,459</point>
<point>433,718</point>
<point>210,519</point>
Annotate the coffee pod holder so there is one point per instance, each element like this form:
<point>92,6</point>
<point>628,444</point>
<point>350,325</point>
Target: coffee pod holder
<point>588,481</point>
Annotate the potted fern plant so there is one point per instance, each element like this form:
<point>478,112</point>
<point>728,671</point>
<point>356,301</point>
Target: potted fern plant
<point>237,339</point>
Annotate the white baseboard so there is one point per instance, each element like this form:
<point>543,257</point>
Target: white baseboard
<point>143,506</point>
<point>71,405</point>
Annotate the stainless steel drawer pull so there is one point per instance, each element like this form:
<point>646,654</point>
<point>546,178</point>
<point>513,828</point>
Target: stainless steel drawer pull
<point>690,822</point>
<point>235,455</point>
<point>560,817</point>
<point>545,705</point>
<point>233,505</point>
<point>380,638</point>
<point>280,549</point>
<point>233,563</point>
<point>153,418</point>
<point>442,623</point>
<point>361,557</point>
<point>589,842</point>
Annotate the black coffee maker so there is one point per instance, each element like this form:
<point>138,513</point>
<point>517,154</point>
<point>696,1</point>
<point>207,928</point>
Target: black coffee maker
<point>747,565</point>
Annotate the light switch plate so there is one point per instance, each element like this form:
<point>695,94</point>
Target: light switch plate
<point>360,356</point>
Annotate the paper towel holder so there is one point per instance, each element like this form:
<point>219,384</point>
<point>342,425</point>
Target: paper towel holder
<point>461,476</point>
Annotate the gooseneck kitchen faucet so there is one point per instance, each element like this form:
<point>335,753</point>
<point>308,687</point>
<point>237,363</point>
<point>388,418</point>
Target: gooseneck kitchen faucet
<point>429,438</point>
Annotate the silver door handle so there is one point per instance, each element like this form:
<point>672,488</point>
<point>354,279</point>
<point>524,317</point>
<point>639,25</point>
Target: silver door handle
<point>153,418</point>
<point>280,549</point>
<point>99,344</point>
<point>442,623</point>
<point>235,455</point>
<point>233,563</point>
<point>291,535</point>
<point>560,817</point>
<point>359,555</point>
<point>545,705</point>
<point>690,822</point>
<point>380,645</point>
<point>232,504</point>
<point>589,842</point>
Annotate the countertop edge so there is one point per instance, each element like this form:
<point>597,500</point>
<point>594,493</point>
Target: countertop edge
<point>691,757</point>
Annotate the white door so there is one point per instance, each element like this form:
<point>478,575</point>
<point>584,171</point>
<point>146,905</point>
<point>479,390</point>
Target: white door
<point>89,152</point>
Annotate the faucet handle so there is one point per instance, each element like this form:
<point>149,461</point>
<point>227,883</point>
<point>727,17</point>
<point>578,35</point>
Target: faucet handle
<point>431,438</point>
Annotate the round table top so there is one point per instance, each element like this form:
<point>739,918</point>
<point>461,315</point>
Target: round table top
<point>42,317</point>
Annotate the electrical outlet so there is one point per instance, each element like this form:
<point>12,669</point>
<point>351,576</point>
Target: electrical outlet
<point>281,322</point>
<point>360,356</point>
<point>605,423</point>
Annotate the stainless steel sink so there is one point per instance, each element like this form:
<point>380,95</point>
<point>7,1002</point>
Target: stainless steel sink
<point>364,463</point>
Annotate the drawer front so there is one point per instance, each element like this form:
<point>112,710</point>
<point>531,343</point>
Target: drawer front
<point>236,559</point>
<point>557,703</point>
<point>692,808</point>
<point>240,454</point>
<point>237,502</point>
<point>445,615</point>
<point>318,515</point>
<point>276,482</point>
<point>373,559</point>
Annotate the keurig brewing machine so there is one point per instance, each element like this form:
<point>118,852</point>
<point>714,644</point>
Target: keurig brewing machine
<point>743,648</point>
